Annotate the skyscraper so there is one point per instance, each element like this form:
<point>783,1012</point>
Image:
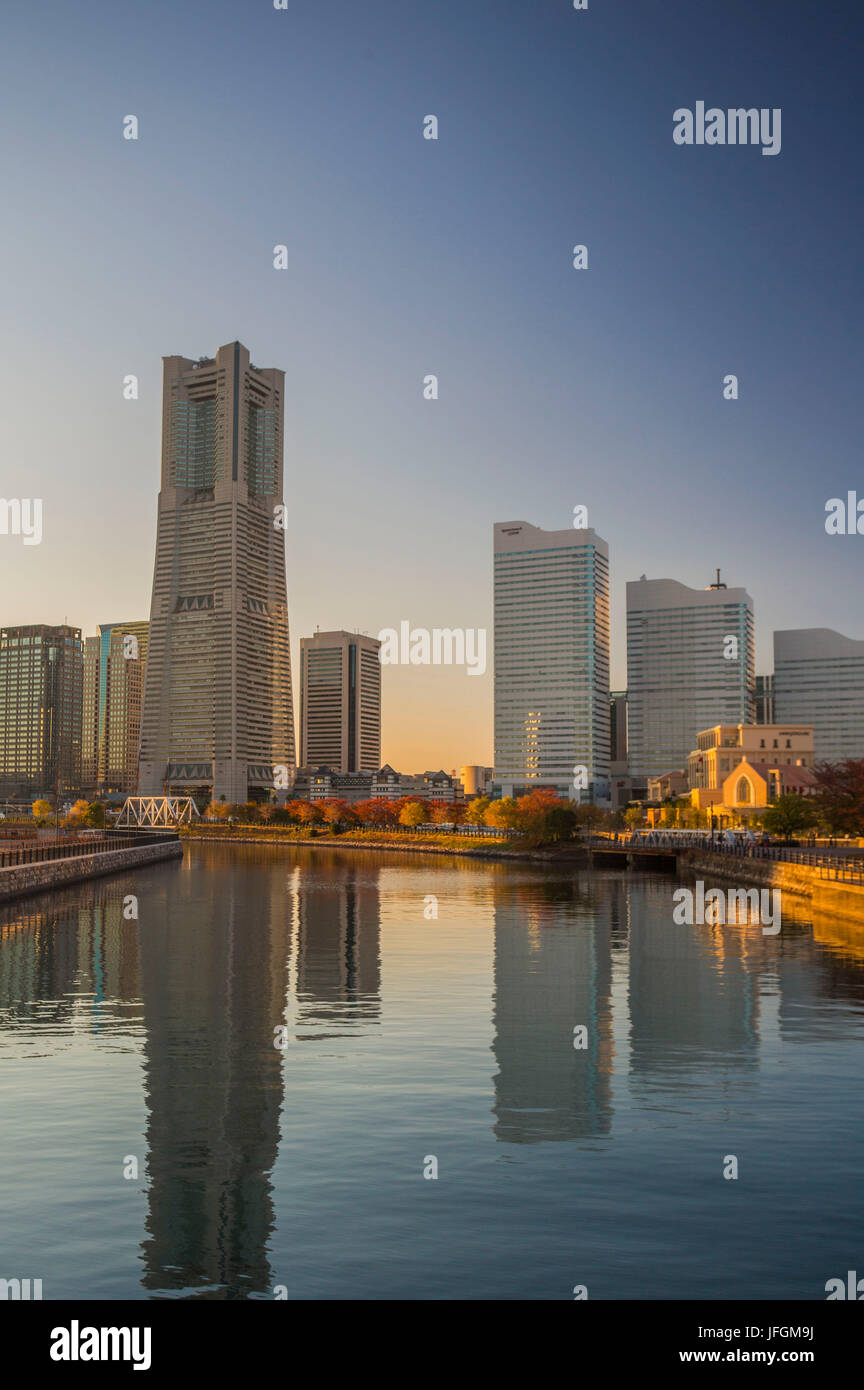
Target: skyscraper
<point>218,708</point>
<point>122,663</point>
<point>90,718</point>
<point>41,686</point>
<point>690,665</point>
<point>551,661</point>
<point>340,702</point>
<point>819,680</point>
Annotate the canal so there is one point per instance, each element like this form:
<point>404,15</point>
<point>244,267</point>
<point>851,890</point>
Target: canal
<point>329,1074</point>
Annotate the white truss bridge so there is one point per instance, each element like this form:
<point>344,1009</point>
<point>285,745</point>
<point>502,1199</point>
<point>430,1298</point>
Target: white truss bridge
<point>156,812</point>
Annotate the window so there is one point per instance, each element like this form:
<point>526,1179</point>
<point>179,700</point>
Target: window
<point>742,791</point>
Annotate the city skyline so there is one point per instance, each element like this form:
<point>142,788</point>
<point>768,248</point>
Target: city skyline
<point>406,257</point>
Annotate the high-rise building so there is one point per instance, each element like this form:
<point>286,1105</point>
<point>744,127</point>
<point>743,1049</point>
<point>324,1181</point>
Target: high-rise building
<point>122,663</point>
<point>690,665</point>
<point>551,661</point>
<point>340,702</point>
<point>218,711</point>
<point>819,679</point>
<point>618,727</point>
<point>764,698</point>
<point>90,718</point>
<point>41,689</point>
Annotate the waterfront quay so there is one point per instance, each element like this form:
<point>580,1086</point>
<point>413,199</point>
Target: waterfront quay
<point>33,867</point>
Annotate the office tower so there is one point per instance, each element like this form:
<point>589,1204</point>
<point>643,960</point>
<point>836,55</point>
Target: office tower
<point>819,680</point>
<point>764,697</point>
<point>340,702</point>
<point>690,665</point>
<point>122,663</point>
<point>41,689</point>
<point>218,712</point>
<point>618,727</point>
<point>551,661</point>
<point>90,718</point>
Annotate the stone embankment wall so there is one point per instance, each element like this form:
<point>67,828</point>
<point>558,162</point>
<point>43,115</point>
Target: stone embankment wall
<point>803,881</point>
<point>57,873</point>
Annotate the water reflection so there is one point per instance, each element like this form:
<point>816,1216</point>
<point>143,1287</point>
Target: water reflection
<point>239,941</point>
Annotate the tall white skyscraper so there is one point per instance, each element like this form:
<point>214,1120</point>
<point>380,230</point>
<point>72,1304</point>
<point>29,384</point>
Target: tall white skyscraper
<point>551,661</point>
<point>821,674</point>
<point>690,665</point>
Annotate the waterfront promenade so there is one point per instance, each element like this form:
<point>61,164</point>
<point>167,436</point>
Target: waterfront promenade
<point>33,868</point>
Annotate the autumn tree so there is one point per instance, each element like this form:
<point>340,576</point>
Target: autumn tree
<point>503,814</point>
<point>475,813</point>
<point>336,812</point>
<point>76,815</point>
<point>42,810</point>
<point>412,813</point>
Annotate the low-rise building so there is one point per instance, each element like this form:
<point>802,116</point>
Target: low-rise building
<point>669,784</point>
<point>720,749</point>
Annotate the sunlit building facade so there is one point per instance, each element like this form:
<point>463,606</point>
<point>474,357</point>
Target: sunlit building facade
<point>41,691</point>
<point>218,714</point>
<point>819,679</point>
<point>340,702</point>
<point>690,666</point>
<point>551,661</point>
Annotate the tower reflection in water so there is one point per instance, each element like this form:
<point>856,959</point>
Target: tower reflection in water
<point>215,988</point>
<point>553,973</point>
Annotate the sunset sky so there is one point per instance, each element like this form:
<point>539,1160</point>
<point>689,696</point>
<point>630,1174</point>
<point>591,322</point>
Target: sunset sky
<point>408,257</point>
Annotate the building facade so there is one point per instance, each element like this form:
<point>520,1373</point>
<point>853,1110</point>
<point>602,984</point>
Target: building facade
<point>218,713</point>
<point>764,700</point>
<point>340,701</point>
<point>690,664</point>
<point>90,718</point>
<point>41,694</point>
<point>551,662</point>
<point>719,750</point>
<point>819,678</point>
<point>120,695</point>
<point>476,780</point>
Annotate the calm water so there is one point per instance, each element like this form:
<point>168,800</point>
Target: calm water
<point>408,1038</point>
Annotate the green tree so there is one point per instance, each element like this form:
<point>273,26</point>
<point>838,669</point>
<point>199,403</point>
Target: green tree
<point>633,816</point>
<point>790,814</point>
<point>96,815</point>
<point>590,817</point>
<point>840,795</point>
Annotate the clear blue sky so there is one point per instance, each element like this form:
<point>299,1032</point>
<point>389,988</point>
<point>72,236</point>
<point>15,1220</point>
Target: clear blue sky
<point>409,257</point>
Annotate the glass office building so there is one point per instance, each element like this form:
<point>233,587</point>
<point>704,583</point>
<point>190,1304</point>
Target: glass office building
<point>41,689</point>
<point>551,661</point>
<point>690,666</point>
<point>819,680</point>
